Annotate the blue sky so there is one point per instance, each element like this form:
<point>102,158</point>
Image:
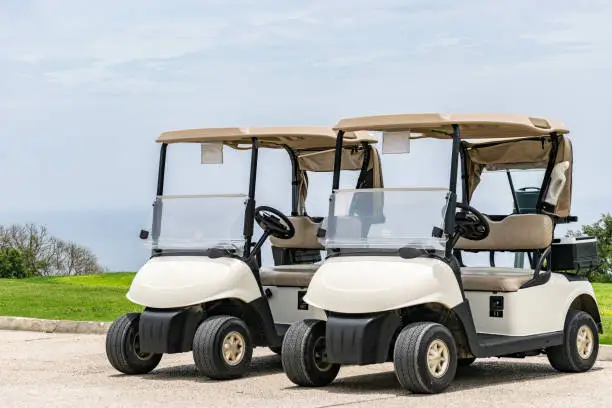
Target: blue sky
<point>85,87</point>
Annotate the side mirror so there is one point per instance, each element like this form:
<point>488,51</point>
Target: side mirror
<point>144,234</point>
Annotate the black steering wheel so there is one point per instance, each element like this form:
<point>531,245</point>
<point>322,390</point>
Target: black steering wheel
<point>274,222</point>
<point>471,224</point>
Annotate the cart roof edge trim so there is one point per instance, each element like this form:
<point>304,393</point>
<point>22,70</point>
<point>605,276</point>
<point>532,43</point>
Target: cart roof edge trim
<point>472,125</point>
<point>295,137</point>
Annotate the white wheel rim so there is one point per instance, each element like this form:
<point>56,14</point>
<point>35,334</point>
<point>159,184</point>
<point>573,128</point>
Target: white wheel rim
<point>233,348</point>
<point>438,358</point>
<point>585,342</point>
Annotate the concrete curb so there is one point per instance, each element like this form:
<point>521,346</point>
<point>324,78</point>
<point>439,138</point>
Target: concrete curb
<point>52,326</point>
<point>69,326</point>
<point>605,353</point>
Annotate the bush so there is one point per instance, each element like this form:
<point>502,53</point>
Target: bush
<point>12,263</point>
<point>602,230</point>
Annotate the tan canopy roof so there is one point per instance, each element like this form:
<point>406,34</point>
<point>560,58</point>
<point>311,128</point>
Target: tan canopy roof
<point>472,126</point>
<point>522,154</point>
<point>296,137</point>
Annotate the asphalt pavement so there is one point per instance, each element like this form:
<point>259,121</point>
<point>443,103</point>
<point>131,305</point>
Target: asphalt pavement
<point>71,370</point>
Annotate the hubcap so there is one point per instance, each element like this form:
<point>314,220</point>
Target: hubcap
<point>584,342</point>
<point>320,354</point>
<point>136,347</point>
<point>438,358</point>
<point>233,348</point>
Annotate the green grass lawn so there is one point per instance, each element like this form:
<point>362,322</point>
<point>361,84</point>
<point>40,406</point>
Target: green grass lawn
<point>92,297</point>
<point>102,298</point>
<point>603,291</point>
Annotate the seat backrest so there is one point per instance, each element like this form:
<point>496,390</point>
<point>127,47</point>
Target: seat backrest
<point>513,233</point>
<point>305,235</point>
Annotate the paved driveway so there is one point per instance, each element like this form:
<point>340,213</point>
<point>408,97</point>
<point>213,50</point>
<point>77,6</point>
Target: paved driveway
<point>66,370</point>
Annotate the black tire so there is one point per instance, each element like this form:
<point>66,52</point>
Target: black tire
<point>410,358</point>
<point>466,362</point>
<point>208,348</point>
<point>276,350</point>
<point>566,357</point>
<point>303,349</point>
<point>123,347</point>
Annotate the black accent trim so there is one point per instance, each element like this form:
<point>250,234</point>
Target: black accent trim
<point>458,256</point>
<point>281,328</point>
<point>211,253</point>
<point>566,220</point>
<point>498,346</point>
<point>571,277</point>
<point>161,175</point>
<point>491,345</point>
<point>539,278</point>
<point>171,331</point>
<point>331,223</point>
<point>249,215</point>
<point>157,205</point>
<point>257,249</point>
<point>437,232</point>
<point>168,331</point>
<point>335,252</point>
<point>269,336</point>
<point>338,160</point>
<point>360,339</point>
<point>292,256</point>
<point>576,256</point>
<point>498,217</point>
<point>295,181</point>
<point>301,304</point>
<point>449,224</point>
<point>411,253</point>
<point>464,174</point>
<point>367,151</point>
<point>517,208</point>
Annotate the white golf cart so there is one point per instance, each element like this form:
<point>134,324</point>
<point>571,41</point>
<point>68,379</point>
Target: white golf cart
<point>203,289</point>
<point>393,288</point>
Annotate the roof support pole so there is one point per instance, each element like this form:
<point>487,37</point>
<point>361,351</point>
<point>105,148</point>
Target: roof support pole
<point>449,224</point>
<point>162,169</point>
<point>338,160</point>
<point>295,181</point>
<point>331,226</point>
<point>249,215</point>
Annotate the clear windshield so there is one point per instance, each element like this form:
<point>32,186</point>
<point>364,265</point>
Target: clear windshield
<point>386,218</point>
<point>199,222</point>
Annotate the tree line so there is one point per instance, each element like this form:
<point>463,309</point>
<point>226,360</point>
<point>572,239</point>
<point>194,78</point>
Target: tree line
<point>602,230</point>
<point>29,250</point>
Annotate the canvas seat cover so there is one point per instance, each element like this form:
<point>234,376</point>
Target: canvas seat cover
<point>494,279</point>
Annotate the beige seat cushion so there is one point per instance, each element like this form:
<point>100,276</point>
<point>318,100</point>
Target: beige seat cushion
<point>515,232</point>
<point>305,235</point>
<point>288,275</point>
<point>493,279</point>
